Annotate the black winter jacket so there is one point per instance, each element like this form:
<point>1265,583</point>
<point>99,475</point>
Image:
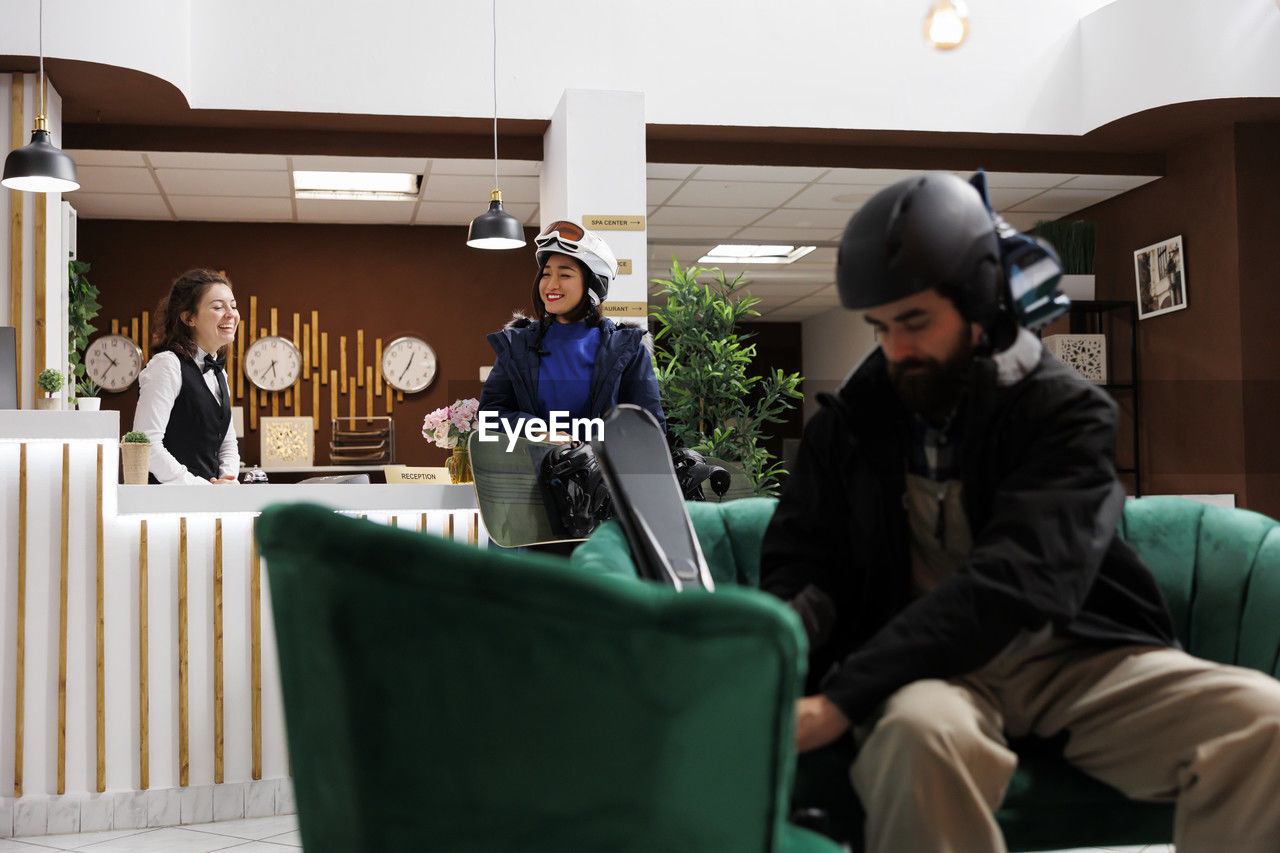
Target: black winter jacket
<point>1042,500</point>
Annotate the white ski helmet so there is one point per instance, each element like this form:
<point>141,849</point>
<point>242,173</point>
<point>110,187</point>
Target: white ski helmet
<point>565,238</point>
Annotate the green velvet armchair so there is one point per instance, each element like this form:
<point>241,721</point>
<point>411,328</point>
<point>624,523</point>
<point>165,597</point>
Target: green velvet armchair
<point>444,697</point>
<point>1219,570</point>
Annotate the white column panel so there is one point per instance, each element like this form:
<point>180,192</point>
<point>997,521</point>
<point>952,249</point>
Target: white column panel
<point>594,165</point>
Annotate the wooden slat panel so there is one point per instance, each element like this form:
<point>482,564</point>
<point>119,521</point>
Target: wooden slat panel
<point>40,326</point>
<point>217,652</point>
<point>239,377</point>
<point>368,393</point>
<point>101,738</point>
<point>145,343</point>
<point>20,642</point>
<point>274,326</point>
<point>65,555</point>
<point>184,729</point>
<point>377,366</point>
<point>360,357</point>
<point>333,394</point>
<point>17,125</point>
<point>255,656</point>
<point>342,362</point>
<point>315,402</point>
<point>324,356</point>
<point>144,732</point>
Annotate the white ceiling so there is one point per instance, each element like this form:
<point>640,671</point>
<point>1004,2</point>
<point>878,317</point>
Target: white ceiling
<point>690,208</point>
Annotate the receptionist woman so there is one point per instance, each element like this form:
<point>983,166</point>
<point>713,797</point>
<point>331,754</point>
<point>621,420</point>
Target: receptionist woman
<point>570,359</point>
<point>184,405</point>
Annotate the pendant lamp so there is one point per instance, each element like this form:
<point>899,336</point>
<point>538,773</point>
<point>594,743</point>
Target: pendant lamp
<point>495,228</point>
<point>40,166</point>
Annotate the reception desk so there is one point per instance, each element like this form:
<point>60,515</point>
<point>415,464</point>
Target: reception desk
<point>138,680</point>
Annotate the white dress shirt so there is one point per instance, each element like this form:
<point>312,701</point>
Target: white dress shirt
<point>158,386</point>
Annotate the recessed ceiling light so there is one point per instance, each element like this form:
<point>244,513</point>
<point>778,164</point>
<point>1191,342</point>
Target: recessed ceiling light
<point>742,254</point>
<point>359,186</point>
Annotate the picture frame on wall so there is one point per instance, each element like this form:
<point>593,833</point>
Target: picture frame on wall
<point>1161,276</point>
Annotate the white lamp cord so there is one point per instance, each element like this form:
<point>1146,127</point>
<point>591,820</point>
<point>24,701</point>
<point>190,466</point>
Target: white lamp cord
<point>495,93</point>
<point>40,82</point>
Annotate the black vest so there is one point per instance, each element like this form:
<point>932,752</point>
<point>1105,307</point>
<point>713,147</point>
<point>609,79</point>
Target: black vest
<point>197,423</point>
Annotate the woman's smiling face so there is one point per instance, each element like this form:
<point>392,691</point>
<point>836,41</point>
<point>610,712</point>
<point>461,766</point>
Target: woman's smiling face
<point>561,286</point>
<point>213,326</point>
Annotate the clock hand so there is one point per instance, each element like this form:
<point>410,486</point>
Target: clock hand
<point>273,367</point>
<point>406,365</point>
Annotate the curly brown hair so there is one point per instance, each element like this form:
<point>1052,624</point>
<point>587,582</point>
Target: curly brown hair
<point>171,331</point>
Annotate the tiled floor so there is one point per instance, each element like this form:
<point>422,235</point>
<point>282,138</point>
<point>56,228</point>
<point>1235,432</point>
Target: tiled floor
<point>253,835</point>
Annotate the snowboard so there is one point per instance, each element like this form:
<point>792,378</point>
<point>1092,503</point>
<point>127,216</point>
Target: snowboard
<point>513,502</point>
<point>647,500</point>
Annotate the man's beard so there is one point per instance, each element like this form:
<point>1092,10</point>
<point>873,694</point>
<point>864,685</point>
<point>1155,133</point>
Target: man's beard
<point>932,388</point>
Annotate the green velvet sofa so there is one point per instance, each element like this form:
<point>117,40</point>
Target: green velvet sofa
<point>1219,570</point>
<point>444,697</point>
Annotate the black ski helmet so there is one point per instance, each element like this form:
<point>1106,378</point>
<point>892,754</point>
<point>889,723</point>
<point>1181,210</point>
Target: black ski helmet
<point>932,230</point>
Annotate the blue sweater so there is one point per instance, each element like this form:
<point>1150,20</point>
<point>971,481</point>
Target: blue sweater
<point>622,372</point>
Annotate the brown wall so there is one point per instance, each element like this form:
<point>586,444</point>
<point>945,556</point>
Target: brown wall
<point>1258,195</point>
<point>1207,421</point>
<point>388,280</point>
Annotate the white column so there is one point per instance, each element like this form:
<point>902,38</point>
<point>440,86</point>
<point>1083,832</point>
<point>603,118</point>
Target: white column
<point>593,172</point>
<point>52,313</point>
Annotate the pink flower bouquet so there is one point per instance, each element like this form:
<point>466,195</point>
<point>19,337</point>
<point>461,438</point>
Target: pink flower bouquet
<point>450,426</point>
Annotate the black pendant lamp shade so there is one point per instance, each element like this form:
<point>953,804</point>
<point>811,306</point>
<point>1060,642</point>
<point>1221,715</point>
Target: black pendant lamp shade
<point>495,228</point>
<point>40,166</point>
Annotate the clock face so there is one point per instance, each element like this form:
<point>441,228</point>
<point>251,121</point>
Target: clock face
<point>409,364</point>
<point>272,363</point>
<point>113,361</point>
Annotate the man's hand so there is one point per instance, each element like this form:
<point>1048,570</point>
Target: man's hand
<point>228,479</point>
<point>818,722</point>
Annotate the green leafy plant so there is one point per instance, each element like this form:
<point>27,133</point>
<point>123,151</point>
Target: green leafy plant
<point>82,307</point>
<point>87,387</point>
<point>50,381</point>
<point>135,437</point>
<point>1074,241</point>
<point>711,404</point>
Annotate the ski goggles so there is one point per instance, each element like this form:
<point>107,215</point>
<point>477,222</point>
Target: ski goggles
<point>563,232</point>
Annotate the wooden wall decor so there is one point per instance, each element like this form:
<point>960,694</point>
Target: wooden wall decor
<point>313,343</point>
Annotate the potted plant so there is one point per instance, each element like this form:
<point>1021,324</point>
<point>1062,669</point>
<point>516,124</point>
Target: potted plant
<point>87,395</point>
<point>50,382</point>
<point>712,405</point>
<point>450,427</point>
<point>135,454</point>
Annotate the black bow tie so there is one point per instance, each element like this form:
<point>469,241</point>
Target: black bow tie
<point>211,363</point>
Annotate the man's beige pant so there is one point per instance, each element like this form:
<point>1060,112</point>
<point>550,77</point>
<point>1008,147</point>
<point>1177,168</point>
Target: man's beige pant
<point>1155,723</point>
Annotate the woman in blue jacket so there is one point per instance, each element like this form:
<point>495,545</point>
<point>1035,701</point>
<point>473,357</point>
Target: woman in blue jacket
<point>570,359</point>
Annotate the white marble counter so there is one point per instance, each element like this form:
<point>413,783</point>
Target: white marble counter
<point>350,497</point>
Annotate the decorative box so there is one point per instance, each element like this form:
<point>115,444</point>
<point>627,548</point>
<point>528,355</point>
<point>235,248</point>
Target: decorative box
<point>1086,353</point>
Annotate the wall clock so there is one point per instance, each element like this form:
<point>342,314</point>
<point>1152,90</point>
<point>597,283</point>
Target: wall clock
<point>409,364</point>
<point>272,363</point>
<point>113,361</point>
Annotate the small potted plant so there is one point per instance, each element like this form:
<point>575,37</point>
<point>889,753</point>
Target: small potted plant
<point>87,395</point>
<point>50,382</point>
<point>450,427</point>
<point>135,453</point>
